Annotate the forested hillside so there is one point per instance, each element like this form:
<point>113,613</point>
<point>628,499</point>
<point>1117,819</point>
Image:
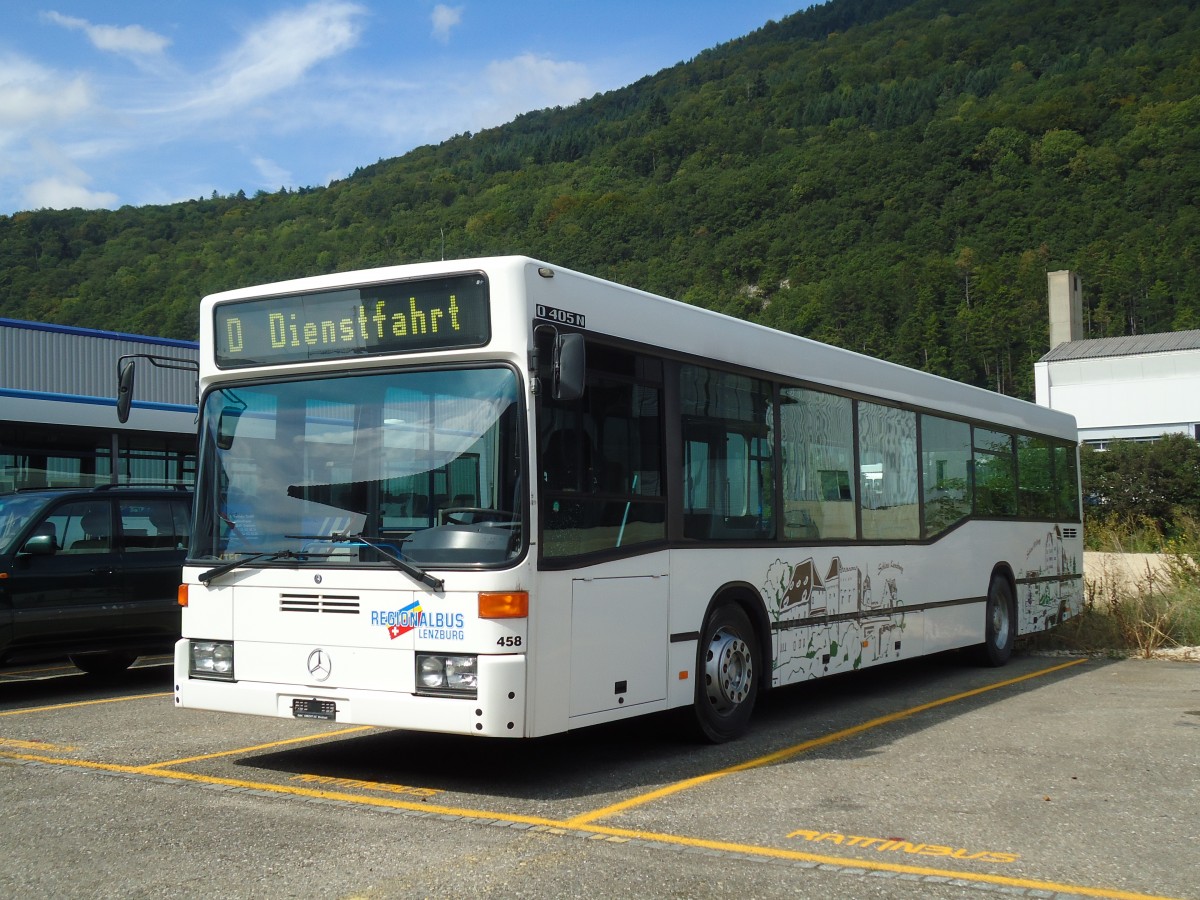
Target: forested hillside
<point>894,177</point>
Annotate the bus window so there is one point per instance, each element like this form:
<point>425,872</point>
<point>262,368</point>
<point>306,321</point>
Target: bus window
<point>1066,482</point>
<point>945,465</point>
<point>1035,477</point>
<point>818,451</point>
<point>995,474</point>
<point>600,468</point>
<point>887,448</point>
<point>728,486</point>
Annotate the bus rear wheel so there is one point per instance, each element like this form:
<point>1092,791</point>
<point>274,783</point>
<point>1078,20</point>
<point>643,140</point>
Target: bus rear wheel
<point>729,666</point>
<point>1000,631</point>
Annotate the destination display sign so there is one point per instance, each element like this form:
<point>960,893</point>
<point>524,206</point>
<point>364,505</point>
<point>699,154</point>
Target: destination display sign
<point>400,317</point>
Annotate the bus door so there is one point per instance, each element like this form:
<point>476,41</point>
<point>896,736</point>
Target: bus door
<point>618,646</point>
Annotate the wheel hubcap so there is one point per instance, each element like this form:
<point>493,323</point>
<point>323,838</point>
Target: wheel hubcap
<point>728,671</point>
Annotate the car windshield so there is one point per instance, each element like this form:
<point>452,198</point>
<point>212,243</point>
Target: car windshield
<point>15,512</point>
<point>362,470</point>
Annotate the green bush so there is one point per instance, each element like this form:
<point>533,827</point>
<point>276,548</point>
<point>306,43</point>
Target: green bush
<point>1146,493</point>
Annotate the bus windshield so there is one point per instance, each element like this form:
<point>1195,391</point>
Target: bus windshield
<point>348,470</point>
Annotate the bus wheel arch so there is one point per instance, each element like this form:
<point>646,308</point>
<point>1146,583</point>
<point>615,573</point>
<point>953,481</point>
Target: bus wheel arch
<point>730,665</point>
<point>1000,620</point>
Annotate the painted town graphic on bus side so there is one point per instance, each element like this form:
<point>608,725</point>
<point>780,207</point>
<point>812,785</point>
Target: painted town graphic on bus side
<point>1051,590</point>
<point>862,624</point>
<point>840,617</point>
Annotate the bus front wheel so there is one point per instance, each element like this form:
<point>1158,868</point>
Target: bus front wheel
<point>729,667</point>
<point>1000,631</point>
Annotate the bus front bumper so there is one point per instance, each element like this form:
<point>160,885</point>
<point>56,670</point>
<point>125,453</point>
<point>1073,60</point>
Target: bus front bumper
<point>497,710</point>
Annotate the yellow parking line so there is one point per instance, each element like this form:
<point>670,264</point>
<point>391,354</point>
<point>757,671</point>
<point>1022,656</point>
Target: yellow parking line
<point>44,746</point>
<point>155,771</point>
<point>35,709</point>
<point>268,746</point>
<point>554,826</point>
<point>789,752</point>
<point>38,670</point>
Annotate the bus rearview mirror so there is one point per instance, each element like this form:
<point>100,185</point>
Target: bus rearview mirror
<point>570,363</point>
<point>227,424</point>
<point>124,389</point>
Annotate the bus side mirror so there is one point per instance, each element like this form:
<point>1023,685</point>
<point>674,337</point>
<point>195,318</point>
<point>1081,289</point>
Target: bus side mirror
<point>227,424</point>
<point>124,389</point>
<point>570,364</point>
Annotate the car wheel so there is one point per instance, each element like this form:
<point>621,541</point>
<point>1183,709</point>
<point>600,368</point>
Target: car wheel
<point>109,663</point>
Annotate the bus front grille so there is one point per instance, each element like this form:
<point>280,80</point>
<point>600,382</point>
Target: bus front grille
<point>335,604</point>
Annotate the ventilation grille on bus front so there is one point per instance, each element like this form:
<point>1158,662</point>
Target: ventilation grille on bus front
<point>1070,533</point>
<point>319,603</point>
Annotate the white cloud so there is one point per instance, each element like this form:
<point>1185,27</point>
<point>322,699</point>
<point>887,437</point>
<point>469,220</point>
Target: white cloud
<point>445,18</point>
<point>33,95</point>
<point>401,114</point>
<point>529,81</point>
<point>277,55</point>
<point>273,175</point>
<point>64,193</point>
<point>130,40</point>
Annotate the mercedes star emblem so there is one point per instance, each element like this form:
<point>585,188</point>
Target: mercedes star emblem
<point>319,665</point>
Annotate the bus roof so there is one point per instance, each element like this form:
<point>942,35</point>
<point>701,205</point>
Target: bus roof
<point>630,314</point>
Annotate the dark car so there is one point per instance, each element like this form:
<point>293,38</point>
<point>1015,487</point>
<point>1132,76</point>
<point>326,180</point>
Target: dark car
<point>91,574</point>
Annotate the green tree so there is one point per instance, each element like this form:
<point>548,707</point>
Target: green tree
<point>1157,481</point>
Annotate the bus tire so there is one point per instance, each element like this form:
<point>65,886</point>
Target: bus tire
<point>1000,631</point>
<point>729,667</point>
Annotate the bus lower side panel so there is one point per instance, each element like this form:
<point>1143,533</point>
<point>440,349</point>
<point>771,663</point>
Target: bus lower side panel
<point>805,652</point>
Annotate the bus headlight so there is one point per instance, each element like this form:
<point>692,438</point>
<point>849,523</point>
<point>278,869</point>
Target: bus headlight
<point>447,675</point>
<point>211,659</point>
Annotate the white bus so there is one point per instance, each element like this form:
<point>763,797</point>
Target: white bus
<point>501,498</point>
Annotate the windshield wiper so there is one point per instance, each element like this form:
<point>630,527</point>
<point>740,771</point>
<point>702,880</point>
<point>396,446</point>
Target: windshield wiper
<point>218,571</point>
<point>384,550</point>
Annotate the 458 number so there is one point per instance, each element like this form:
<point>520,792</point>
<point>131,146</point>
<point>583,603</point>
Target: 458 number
<point>509,640</point>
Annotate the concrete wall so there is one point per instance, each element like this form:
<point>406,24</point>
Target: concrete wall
<point>1105,572</point>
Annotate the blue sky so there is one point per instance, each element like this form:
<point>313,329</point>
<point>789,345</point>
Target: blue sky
<point>105,104</point>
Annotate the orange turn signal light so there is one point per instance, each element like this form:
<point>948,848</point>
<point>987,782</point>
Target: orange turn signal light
<point>503,604</point>
<point>182,595</point>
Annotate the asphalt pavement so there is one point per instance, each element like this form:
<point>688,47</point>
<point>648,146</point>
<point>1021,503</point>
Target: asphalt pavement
<point>932,778</point>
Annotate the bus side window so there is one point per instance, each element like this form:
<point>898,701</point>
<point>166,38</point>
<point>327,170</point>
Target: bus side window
<point>567,461</point>
<point>994,473</point>
<point>728,489</point>
<point>817,431</point>
<point>600,459</point>
<point>945,461</point>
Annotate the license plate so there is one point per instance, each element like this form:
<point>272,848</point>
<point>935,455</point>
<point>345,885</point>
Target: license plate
<point>314,709</point>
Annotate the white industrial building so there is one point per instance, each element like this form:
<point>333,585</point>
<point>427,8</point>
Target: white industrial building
<point>1138,387</point>
<point>58,416</point>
